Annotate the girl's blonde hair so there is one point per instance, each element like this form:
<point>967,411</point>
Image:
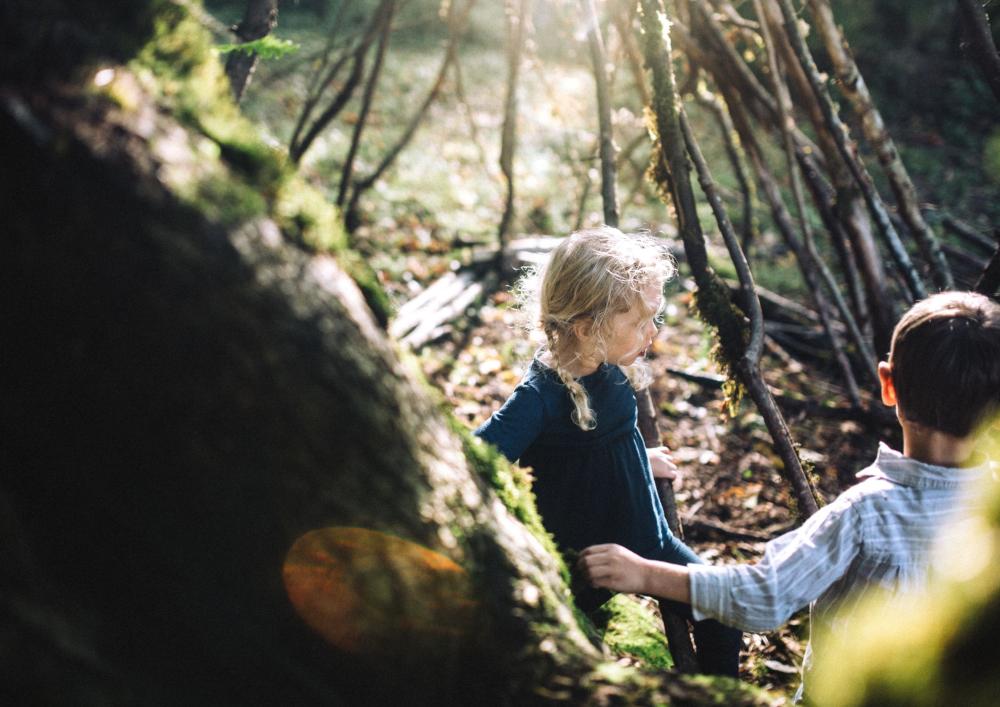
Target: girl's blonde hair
<point>593,274</point>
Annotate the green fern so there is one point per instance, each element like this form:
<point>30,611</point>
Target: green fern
<point>268,47</point>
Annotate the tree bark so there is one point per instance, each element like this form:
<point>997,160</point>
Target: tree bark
<point>260,18</point>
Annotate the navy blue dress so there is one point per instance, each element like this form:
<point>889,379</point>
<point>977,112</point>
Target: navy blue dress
<point>595,486</point>
<point>591,486</point>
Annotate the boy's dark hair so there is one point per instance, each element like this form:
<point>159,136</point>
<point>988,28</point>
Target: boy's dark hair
<point>945,360</point>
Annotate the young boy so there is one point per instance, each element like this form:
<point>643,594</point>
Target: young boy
<point>943,377</point>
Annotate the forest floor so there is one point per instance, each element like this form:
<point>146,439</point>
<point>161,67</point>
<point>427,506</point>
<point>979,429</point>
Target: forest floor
<point>731,496</point>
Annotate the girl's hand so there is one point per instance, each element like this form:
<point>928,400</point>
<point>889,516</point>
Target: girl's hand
<point>614,567</point>
<point>662,464</point>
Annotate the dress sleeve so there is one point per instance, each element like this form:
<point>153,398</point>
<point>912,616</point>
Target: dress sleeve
<point>795,570</point>
<point>515,425</point>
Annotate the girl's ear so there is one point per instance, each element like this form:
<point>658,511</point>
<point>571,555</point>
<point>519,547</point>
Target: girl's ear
<point>583,328</point>
<point>885,379</point>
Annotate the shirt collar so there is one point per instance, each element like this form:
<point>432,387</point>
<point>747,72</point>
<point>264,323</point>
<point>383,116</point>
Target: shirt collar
<point>892,465</point>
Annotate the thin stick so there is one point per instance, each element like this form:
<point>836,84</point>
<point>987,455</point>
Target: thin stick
<point>366,103</point>
<point>456,22</point>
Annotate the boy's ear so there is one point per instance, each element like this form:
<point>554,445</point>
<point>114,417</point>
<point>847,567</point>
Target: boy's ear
<point>888,387</point>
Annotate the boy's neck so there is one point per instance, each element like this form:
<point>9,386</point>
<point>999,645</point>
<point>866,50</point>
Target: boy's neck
<point>930,446</point>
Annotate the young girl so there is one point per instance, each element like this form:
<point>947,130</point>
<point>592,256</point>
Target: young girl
<point>572,418</point>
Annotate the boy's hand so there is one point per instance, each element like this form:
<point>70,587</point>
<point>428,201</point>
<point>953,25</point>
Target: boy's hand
<point>614,567</point>
<point>662,464</point>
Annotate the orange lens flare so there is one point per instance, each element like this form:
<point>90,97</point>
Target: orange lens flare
<point>371,593</point>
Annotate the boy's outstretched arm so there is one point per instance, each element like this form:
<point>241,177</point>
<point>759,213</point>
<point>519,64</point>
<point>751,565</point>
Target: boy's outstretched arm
<point>796,568</point>
<point>621,570</point>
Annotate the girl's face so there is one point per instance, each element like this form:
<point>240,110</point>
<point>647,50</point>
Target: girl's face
<point>631,333</point>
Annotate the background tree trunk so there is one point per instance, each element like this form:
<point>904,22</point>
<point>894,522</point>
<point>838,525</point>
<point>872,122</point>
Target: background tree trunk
<point>595,40</point>
<point>260,18</point>
<point>518,17</point>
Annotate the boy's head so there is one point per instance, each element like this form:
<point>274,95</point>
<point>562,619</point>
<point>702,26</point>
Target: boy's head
<point>945,362</point>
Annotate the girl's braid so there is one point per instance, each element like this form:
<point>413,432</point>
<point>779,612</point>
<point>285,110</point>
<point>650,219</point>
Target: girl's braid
<point>583,416</point>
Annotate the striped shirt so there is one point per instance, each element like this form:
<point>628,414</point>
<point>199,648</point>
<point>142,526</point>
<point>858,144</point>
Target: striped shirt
<point>879,532</point>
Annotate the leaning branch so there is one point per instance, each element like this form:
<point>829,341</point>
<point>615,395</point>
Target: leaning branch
<point>712,298</point>
<point>814,259</point>
<point>839,132</point>
<point>853,86</point>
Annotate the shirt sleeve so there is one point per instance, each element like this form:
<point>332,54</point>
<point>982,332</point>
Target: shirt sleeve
<point>796,569</point>
<point>515,425</point>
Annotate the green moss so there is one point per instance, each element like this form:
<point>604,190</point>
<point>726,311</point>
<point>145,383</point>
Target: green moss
<point>716,309</point>
<point>306,217</point>
<point>631,627</point>
<point>511,483</point>
<point>226,201</point>
<point>190,80</point>
<point>367,281</point>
